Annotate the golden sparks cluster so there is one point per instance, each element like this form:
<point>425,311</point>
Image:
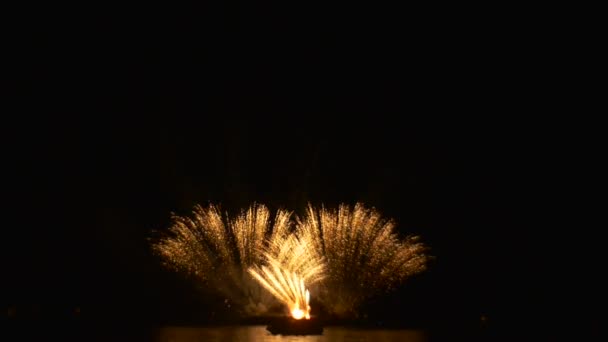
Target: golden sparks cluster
<point>346,254</point>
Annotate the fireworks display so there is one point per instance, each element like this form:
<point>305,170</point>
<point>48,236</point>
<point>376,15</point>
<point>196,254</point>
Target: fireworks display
<point>218,250</point>
<point>290,267</point>
<point>364,256</point>
<point>347,255</point>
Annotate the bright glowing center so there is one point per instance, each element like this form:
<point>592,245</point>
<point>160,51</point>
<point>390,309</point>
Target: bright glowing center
<point>297,313</point>
<point>286,286</point>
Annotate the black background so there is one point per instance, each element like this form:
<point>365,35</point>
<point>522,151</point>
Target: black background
<point>125,115</point>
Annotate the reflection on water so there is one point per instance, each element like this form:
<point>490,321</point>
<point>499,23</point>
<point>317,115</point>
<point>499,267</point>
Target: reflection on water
<point>259,333</point>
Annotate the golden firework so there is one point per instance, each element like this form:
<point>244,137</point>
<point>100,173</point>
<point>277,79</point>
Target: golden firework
<point>290,267</point>
<point>218,250</point>
<point>348,254</point>
<point>362,252</point>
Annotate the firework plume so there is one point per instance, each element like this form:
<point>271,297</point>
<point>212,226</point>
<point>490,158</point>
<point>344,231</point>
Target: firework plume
<point>347,255</point>
<point>218,250</point>
<point>363,254</point>
<point>290,267</point>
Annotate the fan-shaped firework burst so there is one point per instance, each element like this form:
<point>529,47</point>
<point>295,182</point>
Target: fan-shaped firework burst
<point>352,253</point>
<point>290,267</point>
<point>217,250</point>
<point>363,254</point>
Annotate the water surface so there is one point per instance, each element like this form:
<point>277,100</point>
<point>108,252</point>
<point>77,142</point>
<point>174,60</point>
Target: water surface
<point>259,333</point>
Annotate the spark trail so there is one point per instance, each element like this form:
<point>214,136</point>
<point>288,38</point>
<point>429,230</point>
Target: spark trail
<point>218,250</point>
<point>290,267</point>
<point>363,254</point>
<point>347,255</point>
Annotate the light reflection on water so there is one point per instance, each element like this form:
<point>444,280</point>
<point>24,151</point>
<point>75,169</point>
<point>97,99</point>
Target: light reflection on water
<point>259,333</point>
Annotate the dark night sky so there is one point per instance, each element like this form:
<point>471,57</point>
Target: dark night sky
<point>124,117</point>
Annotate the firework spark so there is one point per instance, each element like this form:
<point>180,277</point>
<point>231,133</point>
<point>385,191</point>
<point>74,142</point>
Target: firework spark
<point>348,254</point>
<point>363,254</point>
<point>290,267</point>
<point>218,250</point>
